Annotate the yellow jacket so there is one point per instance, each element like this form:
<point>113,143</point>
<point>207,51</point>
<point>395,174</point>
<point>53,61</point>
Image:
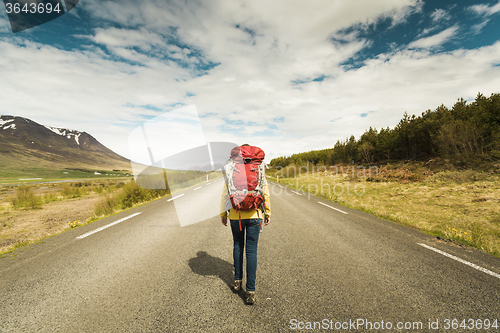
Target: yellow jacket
<point>251,214</point>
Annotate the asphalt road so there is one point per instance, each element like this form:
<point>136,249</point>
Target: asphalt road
<point>318,262</point>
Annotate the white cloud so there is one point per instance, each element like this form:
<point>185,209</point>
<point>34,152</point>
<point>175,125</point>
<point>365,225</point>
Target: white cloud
<point>275,44</point>
<point>440,15</point>
<point>486,10</point>
<point>476,28</point>
<point>82,90</point>
<point>127,38</point>
<point>434,40</point>
<point>295,31</point>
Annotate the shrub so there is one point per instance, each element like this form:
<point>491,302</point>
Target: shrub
<point>72,192</point>
<point>128,196</point>
<point>25,197</point>
<point>49,197</point>
<point>105,206</point>
<point>97,188</point>
<point>132,194</point>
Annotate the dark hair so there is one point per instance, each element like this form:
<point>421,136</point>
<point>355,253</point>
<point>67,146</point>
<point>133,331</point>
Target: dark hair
<point>245,145</point>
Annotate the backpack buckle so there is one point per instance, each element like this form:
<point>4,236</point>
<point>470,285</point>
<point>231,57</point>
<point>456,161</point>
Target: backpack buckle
<point>247,160</point>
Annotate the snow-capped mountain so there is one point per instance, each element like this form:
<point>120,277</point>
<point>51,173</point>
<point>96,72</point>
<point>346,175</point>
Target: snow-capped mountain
<point>24,141</point>
<point>69,134</point>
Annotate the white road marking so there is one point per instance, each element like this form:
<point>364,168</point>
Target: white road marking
<point>332,207</point>
<point>479,268</point>
<point>209,184</point>
<point>106,226</point>
<point>296,192</point>
<point>180,195</point>
<point>197,188</point>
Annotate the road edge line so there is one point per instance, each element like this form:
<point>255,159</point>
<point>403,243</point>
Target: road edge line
<point>332,207</point>
<point>180,195</point>
<point>465,262</point>
<point>106,226</point>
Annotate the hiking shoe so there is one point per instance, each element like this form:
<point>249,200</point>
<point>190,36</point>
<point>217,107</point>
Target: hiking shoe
<point>251,297</point>
<point>236,285</point>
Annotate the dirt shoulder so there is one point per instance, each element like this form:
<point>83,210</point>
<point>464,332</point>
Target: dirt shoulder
<point>19,226</point>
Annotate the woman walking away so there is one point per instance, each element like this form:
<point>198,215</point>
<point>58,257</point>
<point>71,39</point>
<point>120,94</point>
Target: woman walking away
<point>245,201</point>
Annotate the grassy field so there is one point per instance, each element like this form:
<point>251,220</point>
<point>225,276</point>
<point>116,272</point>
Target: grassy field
<point>460,205</point>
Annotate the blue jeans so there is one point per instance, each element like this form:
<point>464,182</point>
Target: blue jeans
<point>252,229</point>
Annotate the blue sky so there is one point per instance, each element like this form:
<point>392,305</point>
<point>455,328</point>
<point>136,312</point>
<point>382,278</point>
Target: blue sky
<point>289,76</point>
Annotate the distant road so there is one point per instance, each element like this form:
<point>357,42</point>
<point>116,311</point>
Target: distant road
<point>139,271</point>
<point>63,181</point>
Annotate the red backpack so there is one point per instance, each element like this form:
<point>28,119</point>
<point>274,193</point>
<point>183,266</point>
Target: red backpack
<point>245,179</point>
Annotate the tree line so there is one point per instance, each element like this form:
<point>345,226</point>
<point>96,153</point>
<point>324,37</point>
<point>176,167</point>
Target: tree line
<point>467,132</point>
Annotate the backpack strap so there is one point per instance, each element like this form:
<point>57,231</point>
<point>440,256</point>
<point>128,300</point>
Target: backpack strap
<point>239,213</point>
<point>258,217</point>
